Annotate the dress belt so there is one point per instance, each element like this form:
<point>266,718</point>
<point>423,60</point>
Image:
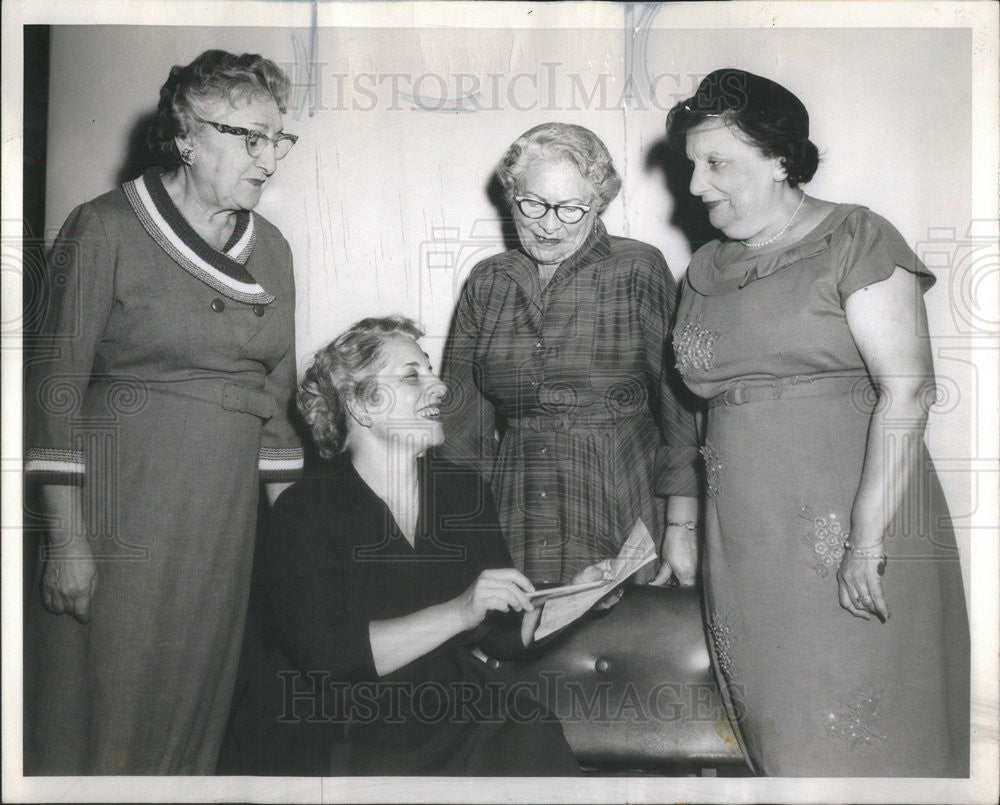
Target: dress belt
<point>229,396</point>
<point>798,386</point>
<point>564,422</point>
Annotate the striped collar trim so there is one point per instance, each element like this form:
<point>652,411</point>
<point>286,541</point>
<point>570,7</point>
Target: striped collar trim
<point>222,271</point>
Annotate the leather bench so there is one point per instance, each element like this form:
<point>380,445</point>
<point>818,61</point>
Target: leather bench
<point>634,689</point>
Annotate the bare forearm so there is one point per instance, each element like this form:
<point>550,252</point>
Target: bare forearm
<point>64,504</point>
<point>70,576</point>
<point>682,509</point>
<point>272,490</point>
<point>892,456</point>
<point>399,641</point>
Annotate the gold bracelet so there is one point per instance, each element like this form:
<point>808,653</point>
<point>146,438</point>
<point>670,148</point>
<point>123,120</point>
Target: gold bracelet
<point>690,525</point>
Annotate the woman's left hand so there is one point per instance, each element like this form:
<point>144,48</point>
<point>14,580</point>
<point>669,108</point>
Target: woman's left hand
<point>861,586</point>
<point>602,570</point>
<point>680,557</point>
<point>529,623</point>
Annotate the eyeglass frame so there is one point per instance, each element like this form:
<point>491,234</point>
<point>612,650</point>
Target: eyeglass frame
<point>224,128</point>
<point>555,207</point>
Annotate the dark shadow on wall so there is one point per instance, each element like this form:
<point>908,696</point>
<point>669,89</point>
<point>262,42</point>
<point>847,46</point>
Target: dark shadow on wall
<point>689,214</point>
<point>508,234</point>
<point>494,192</point>
<point>34,297</point>
<point>138,157</point>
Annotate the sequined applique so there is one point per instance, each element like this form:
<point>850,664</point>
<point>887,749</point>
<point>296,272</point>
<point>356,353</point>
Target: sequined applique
<point>713,468</point>
<point>723,638</point>
<point>694,347</point>
<point>826,540</point>
<point>855,721</point>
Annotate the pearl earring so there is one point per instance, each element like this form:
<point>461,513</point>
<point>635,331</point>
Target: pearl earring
<point>187,156</point>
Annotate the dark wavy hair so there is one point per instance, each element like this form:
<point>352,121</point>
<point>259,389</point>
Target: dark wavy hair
<point>771,117</point>
<point>345,370</point>
<point>214,75</point>
<point>555,141</point>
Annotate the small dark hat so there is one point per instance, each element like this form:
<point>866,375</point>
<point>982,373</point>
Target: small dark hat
<point>748,96</point>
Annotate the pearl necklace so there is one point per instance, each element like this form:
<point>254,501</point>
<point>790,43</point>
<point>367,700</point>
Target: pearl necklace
<point>780,232</point>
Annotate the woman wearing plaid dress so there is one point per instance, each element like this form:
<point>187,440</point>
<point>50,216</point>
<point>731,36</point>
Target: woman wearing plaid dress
<point>559,390</point>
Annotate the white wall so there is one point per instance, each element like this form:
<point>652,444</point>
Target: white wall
<point>383,199</point>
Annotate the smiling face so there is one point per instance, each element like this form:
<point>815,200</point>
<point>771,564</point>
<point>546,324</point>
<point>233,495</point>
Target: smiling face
<point>407,395</point>
<point>225,176</point>
<point>740,187</point>
<point>547,240</point>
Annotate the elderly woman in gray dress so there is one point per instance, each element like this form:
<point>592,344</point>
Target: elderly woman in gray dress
<point>560,390</point>
<point>152,420</point>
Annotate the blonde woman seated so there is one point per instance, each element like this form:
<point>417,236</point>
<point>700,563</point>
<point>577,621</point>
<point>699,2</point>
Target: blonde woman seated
<point>382,576</point>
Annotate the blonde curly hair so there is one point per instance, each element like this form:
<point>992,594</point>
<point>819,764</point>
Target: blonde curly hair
<point>345,370</point>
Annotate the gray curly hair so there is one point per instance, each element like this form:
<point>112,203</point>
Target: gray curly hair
<point>214,75</point>
<point>561,141</point>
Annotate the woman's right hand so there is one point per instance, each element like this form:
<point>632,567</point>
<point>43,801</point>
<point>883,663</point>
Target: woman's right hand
<point>860,585</point>
<point>501,589</point>
<point>69,581</point>
<point>70,575</point>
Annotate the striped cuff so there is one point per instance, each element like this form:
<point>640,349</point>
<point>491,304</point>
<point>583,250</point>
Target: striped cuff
<point>280,463</point>
<point>52,466</point>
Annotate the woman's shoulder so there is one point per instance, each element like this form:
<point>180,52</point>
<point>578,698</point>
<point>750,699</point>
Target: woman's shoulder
<point>834,220</point>
<point>326,485</point>
<point>639,249</point>
<point>498,263</point>
<point>857,219</point>
<point>106,210</point>
<point>637,260</point>
<point>856,228</point>
<point>265,229</point>
<point>497,268</point>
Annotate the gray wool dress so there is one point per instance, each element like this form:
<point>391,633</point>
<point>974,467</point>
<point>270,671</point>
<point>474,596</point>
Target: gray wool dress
<point>162,387</point>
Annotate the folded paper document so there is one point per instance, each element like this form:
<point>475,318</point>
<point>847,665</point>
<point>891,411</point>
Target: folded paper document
<point>574,600</point>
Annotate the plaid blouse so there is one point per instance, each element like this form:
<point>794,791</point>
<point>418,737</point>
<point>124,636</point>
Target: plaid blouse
<point>561,396</point>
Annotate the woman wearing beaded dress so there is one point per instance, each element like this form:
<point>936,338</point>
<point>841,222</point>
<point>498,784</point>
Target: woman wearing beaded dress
<point>834,597</point>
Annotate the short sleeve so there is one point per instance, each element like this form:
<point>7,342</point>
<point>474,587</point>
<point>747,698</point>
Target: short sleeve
<point>79,295</point>
<point>873,249</point>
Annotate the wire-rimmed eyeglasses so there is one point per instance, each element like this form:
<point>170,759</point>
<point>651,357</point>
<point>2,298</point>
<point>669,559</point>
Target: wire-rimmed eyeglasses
<point>536,208</point>
<point>256,140</point>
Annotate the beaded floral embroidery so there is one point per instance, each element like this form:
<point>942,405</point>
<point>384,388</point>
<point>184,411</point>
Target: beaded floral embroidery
<point>713,468</point>
<point>826,540</point>
<point>723,638</point>
<point>694,347</point>
<point>855,722</point>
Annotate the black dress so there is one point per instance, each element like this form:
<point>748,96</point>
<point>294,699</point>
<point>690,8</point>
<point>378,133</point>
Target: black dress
<point>311,701</point>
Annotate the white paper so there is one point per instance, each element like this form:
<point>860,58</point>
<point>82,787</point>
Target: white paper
<point>637,552</point>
